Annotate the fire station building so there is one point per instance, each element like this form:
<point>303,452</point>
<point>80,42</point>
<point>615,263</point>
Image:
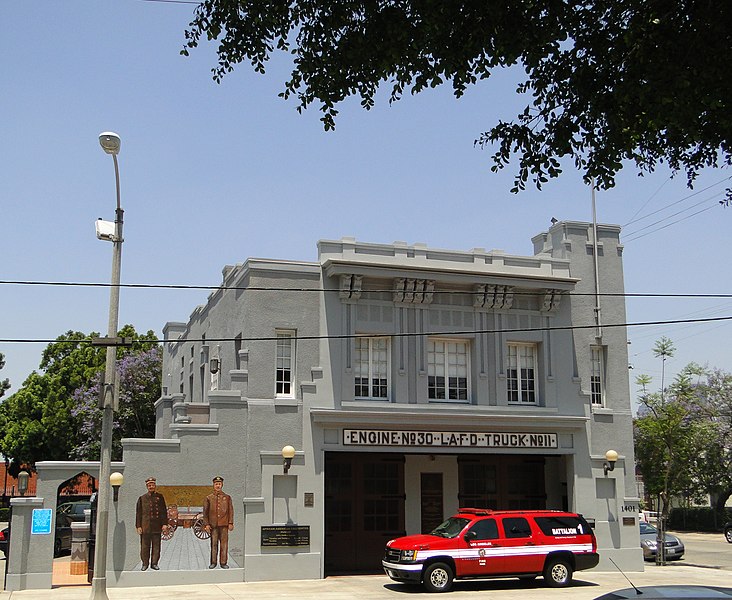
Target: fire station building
<point>369,395</point>
<point>410,381</point>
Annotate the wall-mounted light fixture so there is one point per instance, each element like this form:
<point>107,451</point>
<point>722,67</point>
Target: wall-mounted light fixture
<point>288,453</point>
<point>611,457</point>
<point>116,479</point>
<point>23,478</point>
<point>213,365</point>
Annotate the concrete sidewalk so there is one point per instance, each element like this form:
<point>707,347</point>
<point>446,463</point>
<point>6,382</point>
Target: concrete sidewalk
<point>586,585</point>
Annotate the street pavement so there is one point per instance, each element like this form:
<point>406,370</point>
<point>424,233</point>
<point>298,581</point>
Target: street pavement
<point>708,561</point>
<point>586,585</point>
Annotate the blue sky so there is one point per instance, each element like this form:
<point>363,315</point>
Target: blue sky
<point>212,174</point>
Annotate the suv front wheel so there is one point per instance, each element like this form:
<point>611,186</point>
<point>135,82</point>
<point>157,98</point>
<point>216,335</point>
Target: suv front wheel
<point>557,573</point>
<point>438,577</point>
<point>728,533</point>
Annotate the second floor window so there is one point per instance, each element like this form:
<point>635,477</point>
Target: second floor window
<point>597,376</point>
<point>447,370</point>
<point>371,367</point>
<point>285,362</point>
<point>521,374</point>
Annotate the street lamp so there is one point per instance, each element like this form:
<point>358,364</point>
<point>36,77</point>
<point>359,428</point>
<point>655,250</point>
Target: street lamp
<point>611,456</point>
<point>110,143</point>
<point>288,453</point>
<point>23,478</point>
<point>116,480</point>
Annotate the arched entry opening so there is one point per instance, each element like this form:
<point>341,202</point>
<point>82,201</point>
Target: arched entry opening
<point>70,563</point>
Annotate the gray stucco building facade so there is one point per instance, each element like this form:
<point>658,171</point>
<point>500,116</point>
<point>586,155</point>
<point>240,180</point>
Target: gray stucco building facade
<point>411,381</point>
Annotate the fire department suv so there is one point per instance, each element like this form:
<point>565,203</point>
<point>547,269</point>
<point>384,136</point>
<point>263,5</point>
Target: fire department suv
<point>484,543</point>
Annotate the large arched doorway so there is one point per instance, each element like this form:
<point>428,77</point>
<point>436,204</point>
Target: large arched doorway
<point>70,562</point>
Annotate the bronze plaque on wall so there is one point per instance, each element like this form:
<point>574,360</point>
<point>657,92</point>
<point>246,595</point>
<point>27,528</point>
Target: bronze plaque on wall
<point>286,535</point>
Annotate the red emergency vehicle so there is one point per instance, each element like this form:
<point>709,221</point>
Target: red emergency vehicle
<point>483,543</point>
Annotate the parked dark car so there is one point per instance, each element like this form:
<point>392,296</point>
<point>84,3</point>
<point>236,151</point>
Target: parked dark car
<point>72,511</point>
<point>728,532</point>
<point>654,592</point>
<point>67,513</point>
<point>648,534</point>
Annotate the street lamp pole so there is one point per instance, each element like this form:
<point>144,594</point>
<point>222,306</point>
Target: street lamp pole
<point>110,143</point>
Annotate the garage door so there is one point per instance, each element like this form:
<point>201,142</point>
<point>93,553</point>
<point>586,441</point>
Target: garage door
<point>364,509</point>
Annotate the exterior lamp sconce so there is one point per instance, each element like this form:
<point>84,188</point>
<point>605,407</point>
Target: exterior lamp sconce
<point>116,479</point>
<point>611,457</point>
<point>288,453</point>
<point>213,365</point>
<point>23,477</point>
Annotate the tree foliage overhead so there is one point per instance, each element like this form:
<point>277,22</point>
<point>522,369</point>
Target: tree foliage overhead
<point>606,81</point>
<point>36,422</point>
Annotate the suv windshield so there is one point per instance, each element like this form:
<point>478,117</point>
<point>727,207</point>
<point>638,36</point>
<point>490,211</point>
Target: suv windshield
<point>451,528</point>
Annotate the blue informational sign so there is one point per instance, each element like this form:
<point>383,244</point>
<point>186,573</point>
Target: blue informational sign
<point>41,523</point>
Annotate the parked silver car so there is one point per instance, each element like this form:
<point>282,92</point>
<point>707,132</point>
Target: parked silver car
<point>648,536</point>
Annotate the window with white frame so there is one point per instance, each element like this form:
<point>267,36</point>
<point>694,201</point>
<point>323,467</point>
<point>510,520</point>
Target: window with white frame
<point>448,370</point>
<point>371,367</point>
<point>285,359</point>
<point>521,373</point>
<point>597,376</point>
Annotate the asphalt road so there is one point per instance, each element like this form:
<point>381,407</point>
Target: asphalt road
<point>708,550</point>
<point>707,561</point>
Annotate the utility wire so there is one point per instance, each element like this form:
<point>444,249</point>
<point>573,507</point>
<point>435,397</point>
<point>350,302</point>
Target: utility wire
<point>338,290</point>
<point>346,336</point>
<point>626,235</point>
<point>634,220</point>
<point>651,197</point>
<point>174,1</point>
<point>637,237</point>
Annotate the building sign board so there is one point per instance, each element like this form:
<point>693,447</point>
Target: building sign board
<point>458,439</point>
<point>285,535</point>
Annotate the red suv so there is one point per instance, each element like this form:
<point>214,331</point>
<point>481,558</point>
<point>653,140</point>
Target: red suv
<point>485,543</point>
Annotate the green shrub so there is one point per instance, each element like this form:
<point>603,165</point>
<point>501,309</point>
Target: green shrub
<point>4,514</point>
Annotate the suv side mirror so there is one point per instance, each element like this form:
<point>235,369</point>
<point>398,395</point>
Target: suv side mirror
<point>470,536</point>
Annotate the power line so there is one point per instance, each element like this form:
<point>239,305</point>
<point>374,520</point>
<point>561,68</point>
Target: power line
<point>636,235</point>
<point>652,196</point>
<point>346,336</point>
<point>634,220</point>
<point>174,1</point>
<point>338,290</point>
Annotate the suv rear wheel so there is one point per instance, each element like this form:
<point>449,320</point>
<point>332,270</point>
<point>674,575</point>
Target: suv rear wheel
<point>728,534</point>
<point>557,573</point>
<point>438,577</point>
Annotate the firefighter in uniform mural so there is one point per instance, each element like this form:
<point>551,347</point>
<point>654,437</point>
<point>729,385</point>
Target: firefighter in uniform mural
<point>151,520</point>
<point>218,520</point>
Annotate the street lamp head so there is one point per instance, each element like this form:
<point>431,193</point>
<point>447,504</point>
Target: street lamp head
<point>23,478</point>
<point>288,453</point>
<point>110,142</point>
<point>611,456</point>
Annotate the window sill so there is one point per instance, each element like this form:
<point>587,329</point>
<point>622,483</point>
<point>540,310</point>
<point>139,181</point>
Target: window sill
<point>286,401</point>
<point>442,401</point>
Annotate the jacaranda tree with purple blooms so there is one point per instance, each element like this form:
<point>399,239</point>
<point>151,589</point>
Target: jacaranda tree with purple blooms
<point>37,422</point>
<point>139,389</point>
